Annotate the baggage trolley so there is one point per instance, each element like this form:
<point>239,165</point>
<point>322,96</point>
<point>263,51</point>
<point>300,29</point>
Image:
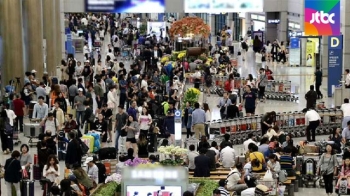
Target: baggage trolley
<point>126,53</point>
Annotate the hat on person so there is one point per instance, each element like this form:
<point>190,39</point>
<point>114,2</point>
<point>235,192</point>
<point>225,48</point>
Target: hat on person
<point>72,177</point>
<point>80,89</point>
<point>87,61</point>
<point>88,160</point>
<point>33,71</point>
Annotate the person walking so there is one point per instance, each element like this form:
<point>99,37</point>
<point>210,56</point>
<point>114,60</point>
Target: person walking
<point>262,82</point>
<point>327,167</point>
<point>79,104</point>
<point>121,119</point>
<point>19,108</point>
<point>188,119</point>
<point>318,82</point>
<point>223,104</point>
<point>312,121</point>
<point>250,101</point>
<point>311,97</point>
<point>13,173</point>
<point>198,121</point>
<point>345,108</point>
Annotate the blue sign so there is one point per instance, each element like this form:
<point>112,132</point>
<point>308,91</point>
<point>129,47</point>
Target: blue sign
<point>294,43</point>
<point>69,44</point>
<point>335,61</point>
<point>160,17</point>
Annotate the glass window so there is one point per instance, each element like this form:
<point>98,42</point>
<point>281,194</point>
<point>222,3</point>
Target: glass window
<point>220,22</point>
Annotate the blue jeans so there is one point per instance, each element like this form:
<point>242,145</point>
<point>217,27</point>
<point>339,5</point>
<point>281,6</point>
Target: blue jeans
<point>80,114</point>
<point>117,135</point>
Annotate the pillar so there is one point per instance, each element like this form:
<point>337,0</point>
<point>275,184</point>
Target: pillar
<point>303,40</point>
<point>271,30</point>
<point>34,46</point>
<point>58,30</point>
<point>50,35</point>
<point>212,29</point>
<point>283,26</point>
<point>324,55</point>
<point>248,23</point>
<point>345,29</point>
<point>11,25</point>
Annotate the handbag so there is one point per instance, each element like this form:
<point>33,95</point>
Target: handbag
<point>322,173</point>
<point>110,105</point>
<point>268,176</point>
<point>47,89</point>
<point>282,175</point>
<point>222,109</point>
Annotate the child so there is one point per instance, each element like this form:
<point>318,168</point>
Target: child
<point>344,173</point>
<point>120,164</point>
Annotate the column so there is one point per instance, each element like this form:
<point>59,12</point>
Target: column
<point>303,40</point>
<point>34,46</point>
<point>58,29</point>
<point>50,35</point>
<point>283,26</point>
<point>12,67</point>
<point>345,29</point>
<point>271,30</point>
<point>248,23</point>
<point>324,55</point>
<point>212,29</point>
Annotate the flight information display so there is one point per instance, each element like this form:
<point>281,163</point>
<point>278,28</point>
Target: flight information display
<point>125,6</point>
<point>220,6</point>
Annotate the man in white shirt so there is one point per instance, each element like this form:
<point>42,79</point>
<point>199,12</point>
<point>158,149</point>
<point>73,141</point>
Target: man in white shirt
<point>10,114</point>
<point>228,156</point>
<point>84,21</point>
<point>312,120</point>
<point>235,179</point>
<point>345,108</point>
<point>248,141</point>
<point>214,147</point>
<point>51,124</point>
<point>86,51</point>
<point>197,78</point>
<point>347,78</point>
<point>192,154</point>
<point>40,109</point>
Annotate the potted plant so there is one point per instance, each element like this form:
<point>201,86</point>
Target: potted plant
<point>108,189</point>
<point>191,96</point>
<point>206,186</point>
<point>189,26</point>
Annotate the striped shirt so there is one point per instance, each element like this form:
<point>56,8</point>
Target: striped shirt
<point>286,163</point>
<point>223,191</point>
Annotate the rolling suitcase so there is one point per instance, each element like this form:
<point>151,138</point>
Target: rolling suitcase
<point>89,141</point>
<point>220,92</point>
<point>27,188</point>
<point>36,172</point>
<point>107,153</point>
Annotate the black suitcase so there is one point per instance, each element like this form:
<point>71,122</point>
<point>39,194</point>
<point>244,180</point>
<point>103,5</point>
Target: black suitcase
<point>107,153</point>
<point>27,188</point>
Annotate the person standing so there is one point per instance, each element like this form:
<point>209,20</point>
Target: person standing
<point>188,119</point>
<point>99,93</point>
<point>250,101</point>
<point>10,117</point>
<point>41,109</point>
<point>121,119</point>
<point>311,97</point>
<point>198,121</point>
<point>345,108</point>
<point>318,82</point>
<point>327,167</point>
<point>312,121</point>
<point>223,104</point>
<point>79,104</point>
<point>73,155</point>
<point>347,78</point>
<point>72,92</point>
<point>19,108</point>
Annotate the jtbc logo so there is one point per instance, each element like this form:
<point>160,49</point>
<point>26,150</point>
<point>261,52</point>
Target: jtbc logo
<point>322,18</point>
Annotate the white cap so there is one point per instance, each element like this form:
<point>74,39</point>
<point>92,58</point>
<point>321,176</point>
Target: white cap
<point>88,159</point>
<point>33,71</point>
<point>80,89</point>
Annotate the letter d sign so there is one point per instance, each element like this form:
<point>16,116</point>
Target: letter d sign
<point>334,42</point>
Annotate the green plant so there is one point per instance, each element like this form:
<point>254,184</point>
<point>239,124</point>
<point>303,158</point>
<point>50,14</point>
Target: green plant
<point>169,162</point>
<point>191,96</point>
<point>206,186</point>
<point>108,189</point>
<point>143,29</point>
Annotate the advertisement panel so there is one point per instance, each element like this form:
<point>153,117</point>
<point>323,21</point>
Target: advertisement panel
<point>220,6</point>
<point>294,51</point>
<point>335,62</point>
<point>310,54</point>
<point>322,17</point>
<point>125,6</point>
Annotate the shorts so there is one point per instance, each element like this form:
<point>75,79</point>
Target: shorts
<point>250,110</point>
<point>131,140</point>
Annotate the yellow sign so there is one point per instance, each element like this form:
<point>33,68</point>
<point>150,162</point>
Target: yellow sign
<point>310,53</point>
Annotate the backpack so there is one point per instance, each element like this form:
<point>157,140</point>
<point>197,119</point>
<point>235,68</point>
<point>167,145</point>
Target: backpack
<point>227,86</point>
<point>101,173</point>
<point>8,127</point>
<point>116,39</point>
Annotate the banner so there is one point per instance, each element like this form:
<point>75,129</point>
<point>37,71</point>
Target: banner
<point>322,17</point>
<point>335,62</point>
<point>125,6</point>
<point>220,6</point>
<point>294,51</point>
<point>310,53</point>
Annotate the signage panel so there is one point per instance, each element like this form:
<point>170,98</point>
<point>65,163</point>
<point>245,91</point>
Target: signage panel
<point>125,6</point>
<point>178,125</point>
<point>335,62</point>
<point>223,6</point>
<point>294,51</point>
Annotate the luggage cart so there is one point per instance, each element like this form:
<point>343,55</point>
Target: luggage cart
<point>15,136</point>
<point>32,131</point>
<point>126,53</point>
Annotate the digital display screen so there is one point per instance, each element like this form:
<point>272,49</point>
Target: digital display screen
<point>221,6</point>
<point>125,6</point>
<point>153,190</point>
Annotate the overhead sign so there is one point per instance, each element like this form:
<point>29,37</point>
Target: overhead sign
<point>125,6</point>
<point>222,6</point>
<point>275,21</point>
<point>335,62</point>
<point>295,33</point>
<point>294,51</point>
<point>322,17</point>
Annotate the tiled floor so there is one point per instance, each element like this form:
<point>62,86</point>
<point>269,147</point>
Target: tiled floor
<point>298,76</point>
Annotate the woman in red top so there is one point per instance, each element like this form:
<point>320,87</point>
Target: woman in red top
<point>19,108</point>
<point>268,73</point>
